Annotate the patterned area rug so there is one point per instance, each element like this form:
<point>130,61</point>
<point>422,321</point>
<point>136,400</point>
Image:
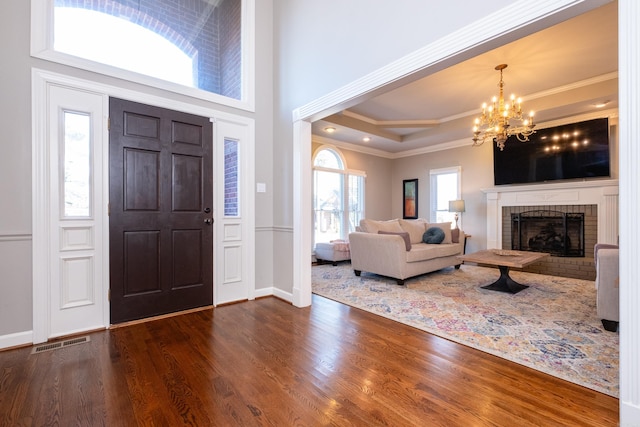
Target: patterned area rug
<point>550,326</point>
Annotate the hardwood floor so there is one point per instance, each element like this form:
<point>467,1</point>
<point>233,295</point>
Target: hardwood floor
<point>266,362</point>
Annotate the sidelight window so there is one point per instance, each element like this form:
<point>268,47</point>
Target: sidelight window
<point>76,164</point>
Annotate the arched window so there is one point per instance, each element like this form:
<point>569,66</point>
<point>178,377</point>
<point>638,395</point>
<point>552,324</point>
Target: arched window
<point>338,196</point>
<point>196,48</point>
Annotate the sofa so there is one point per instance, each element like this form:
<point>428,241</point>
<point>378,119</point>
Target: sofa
<point>395,248</point>
<point>606,257</point>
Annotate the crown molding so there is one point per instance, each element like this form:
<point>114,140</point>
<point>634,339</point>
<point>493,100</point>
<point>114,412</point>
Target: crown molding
<point>485,33</point>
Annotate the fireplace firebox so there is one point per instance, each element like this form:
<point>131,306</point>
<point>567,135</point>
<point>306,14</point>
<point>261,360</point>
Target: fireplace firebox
<point>558,233</point>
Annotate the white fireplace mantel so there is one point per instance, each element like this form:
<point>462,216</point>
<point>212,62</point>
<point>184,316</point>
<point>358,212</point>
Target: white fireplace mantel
<point>603,193</point>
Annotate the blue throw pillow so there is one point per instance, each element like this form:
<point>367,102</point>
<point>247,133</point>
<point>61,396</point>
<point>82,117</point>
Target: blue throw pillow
<point>433,235</point>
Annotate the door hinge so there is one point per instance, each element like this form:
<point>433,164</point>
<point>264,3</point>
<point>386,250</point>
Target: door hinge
<point>109,295</point>
<point>108,124</point>
<point>108,209</point>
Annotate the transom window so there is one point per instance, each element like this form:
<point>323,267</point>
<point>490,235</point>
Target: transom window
<point>199,44</point>
<point>338,196</point>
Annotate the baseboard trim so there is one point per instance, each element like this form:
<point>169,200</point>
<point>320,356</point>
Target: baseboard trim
<point>272,291</point>
<point>18,339</point>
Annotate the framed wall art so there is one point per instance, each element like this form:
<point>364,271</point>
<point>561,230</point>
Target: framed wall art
<point>410,199</point>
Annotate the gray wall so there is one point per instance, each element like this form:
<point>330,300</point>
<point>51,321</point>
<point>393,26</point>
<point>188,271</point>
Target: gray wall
<point>15,169</point>
<point>476,164</point>
<point>321,46</point>
<point>15,161</point>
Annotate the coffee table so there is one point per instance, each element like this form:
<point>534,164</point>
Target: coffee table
<point>504,259</point>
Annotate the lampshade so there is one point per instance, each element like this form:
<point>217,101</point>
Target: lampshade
<point>456,206</point>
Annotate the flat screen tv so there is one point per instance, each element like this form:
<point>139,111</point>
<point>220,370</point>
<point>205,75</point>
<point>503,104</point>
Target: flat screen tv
<point>573,151</point>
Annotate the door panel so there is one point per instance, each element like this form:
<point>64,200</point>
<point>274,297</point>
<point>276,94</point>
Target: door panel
<point>161,247</point>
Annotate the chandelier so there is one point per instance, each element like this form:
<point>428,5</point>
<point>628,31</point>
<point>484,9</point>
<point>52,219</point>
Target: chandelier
<point>495,121</point>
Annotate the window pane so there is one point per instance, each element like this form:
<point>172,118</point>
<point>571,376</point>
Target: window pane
<point>328,159</point>
<point>231,207</point>
<point>328,206</point>
<point>447,190</point>
<point>77,164</point>
<point>195,44</point>
<point>356,201</point>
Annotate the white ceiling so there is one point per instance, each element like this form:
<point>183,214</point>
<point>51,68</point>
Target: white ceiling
<point>559,72</point>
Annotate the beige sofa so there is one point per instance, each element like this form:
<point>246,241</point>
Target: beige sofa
<point>395,249</point>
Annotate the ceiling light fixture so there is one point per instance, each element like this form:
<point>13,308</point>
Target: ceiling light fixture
<point>366,139</point>
<point>495,121</point>
<point>329,129</point>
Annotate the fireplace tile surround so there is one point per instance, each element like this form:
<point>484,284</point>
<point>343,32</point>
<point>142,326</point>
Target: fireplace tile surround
<point>598,199</point>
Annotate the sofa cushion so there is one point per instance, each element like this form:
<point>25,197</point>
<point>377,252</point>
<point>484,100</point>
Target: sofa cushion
<point>415,228</point>
<point>425,251</point>
<point>373,226</point>
<point>446,227</point>
<point>403,234</point>
<point>433,235</point>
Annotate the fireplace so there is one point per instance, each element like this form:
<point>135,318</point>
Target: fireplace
<point>555,232</point>
<point>597,199</point>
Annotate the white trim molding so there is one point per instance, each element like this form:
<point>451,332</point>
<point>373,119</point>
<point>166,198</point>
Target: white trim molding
<point>629,107</point>
<point>302,224</point>
<point>15,340</point>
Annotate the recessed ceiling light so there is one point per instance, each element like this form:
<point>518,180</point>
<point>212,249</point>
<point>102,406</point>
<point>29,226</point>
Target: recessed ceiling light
<point>366,139</point>
<point>601,104</point>
<point>329,129</point>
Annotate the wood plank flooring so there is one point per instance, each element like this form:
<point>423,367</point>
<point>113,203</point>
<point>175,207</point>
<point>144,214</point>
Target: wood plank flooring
<point>267,363</point>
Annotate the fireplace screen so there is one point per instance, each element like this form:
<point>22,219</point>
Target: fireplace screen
<point>557,233</point>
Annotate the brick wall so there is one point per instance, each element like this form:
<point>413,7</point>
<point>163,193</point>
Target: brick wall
<point>579,268</point>
<point>231,178</point>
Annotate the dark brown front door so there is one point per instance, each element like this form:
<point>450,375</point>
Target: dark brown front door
<point>160,191</point>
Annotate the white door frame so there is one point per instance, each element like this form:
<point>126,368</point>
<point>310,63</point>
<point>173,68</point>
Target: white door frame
<point>41,81</point>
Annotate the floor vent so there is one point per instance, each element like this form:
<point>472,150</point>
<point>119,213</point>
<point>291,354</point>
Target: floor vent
<point>60,344</point>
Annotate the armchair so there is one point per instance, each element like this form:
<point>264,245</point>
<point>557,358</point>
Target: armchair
<point>607,285</point>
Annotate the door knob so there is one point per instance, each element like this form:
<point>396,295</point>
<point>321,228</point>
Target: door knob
<point>208,221</point>
<point>207,210</point>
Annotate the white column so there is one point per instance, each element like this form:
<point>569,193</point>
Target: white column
<point>608,209</point>
<point>629,100</point>
<point>302,224</point>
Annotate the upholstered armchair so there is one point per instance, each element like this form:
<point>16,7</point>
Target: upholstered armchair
<point>607,285</point>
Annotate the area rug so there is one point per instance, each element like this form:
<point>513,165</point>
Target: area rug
<point>550,326</point>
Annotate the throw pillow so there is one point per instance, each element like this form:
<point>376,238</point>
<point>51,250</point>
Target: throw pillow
<point>446,227</point>
<point>403,234</point>
<point>433,235</point>
<point>415,228</point>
